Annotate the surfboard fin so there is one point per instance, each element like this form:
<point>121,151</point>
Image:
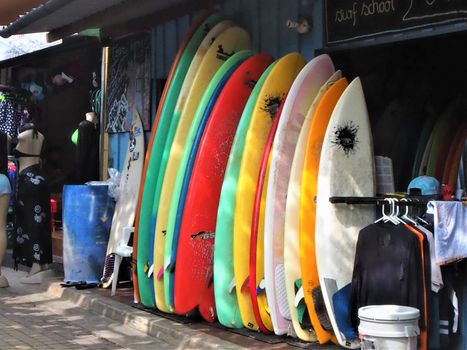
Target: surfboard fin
<point>167,264</point>
<point>160,274</point>
<point>232,285</point>
<point>299,303</point>
<point>261,287</point>
<point>150,271</point>
<point>300,295</point>
<point>245,285</point>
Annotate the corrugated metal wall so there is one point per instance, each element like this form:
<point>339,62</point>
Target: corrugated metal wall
<point>265,20</point>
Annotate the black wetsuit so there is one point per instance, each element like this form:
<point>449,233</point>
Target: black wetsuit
<point>387,269</point>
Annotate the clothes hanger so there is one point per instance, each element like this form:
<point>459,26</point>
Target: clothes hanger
<point>383,213</point>
<point>385,218</point>
<point>395,212</point>
<point>406,216</point>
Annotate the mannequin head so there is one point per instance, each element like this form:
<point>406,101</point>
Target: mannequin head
<point>91,117</point>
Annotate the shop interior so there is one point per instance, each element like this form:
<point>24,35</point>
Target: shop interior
<point>412,88</point>
<point>59,86</point>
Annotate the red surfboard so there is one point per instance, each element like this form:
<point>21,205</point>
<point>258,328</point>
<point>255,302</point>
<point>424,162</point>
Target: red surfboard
<point>253,283</point>
<point>179,54</point>
<point>194,273</point>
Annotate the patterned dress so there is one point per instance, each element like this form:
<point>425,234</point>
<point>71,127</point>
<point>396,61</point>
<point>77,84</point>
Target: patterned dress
<point>33,243</point>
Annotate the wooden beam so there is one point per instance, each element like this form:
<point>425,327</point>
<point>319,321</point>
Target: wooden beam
<point>164,15</point>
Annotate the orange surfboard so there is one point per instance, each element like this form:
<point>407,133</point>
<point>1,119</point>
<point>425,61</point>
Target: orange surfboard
<point>309,189</point>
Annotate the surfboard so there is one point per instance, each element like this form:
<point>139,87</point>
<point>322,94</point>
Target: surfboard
<point>448,137</point>
<point>302,93</point>
<point>256,277</point>
<point>124,214</point>
<point>226,44</point>
<point>441,130</point>
<point>193,285</point>
<point>225,290</point>
<point>192,140</point>
<point>186,165</point>
<point>346,168</point>
<point>291,248</point>
<point>308,191</point>
<point>426,154</point>
<point>159,238</point>
<point>273,92</point>
<point>142,249</point>
<point>452,165</point>
<point>422,144</point>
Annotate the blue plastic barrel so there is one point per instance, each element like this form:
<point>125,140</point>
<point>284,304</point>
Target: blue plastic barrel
<point>87,217</point>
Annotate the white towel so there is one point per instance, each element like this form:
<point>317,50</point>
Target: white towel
<point>450,231</point>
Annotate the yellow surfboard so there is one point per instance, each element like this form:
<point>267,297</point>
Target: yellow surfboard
<point>308,191</point>
<point>225,45</point>
<point>270,97</point>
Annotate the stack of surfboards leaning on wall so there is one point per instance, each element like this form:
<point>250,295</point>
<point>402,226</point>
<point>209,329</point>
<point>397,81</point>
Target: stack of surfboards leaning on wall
<point>233,219</point>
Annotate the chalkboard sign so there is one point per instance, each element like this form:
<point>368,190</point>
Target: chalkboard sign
<point>351,20</point>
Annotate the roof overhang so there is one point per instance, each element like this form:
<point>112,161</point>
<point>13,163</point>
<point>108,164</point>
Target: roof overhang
<point>62,18</point>
<point>10,10</point>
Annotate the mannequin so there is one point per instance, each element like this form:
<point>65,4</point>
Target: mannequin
<point>33,244</point>
<point>5,191</point>
<point>87,149</point>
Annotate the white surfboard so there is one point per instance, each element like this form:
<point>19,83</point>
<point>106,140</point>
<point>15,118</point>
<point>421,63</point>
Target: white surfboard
<point>299,99</point>
<point>124,214</point>
<point>346,169</point>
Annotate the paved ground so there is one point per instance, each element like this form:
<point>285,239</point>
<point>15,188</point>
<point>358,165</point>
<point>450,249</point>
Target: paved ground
<point>31,319</point>
<point>51,317</point>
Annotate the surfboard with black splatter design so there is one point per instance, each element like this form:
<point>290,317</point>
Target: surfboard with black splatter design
<point>346,168</point>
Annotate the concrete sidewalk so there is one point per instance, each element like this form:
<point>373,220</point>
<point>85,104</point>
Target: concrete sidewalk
<point>114,323</point>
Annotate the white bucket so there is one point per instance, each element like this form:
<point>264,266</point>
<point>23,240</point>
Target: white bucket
<point>388,327</point>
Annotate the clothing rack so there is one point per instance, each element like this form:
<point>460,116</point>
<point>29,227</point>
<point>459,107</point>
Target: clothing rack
<point>410,202</point>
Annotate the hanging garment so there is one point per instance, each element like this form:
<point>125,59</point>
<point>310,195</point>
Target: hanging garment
<point>387,269</point>
<point>450,227</point>
<point>33,242</point>
<point>87,153</point>
<point>436,277</point>
<point>426,278</point>
<point>9,118</point>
